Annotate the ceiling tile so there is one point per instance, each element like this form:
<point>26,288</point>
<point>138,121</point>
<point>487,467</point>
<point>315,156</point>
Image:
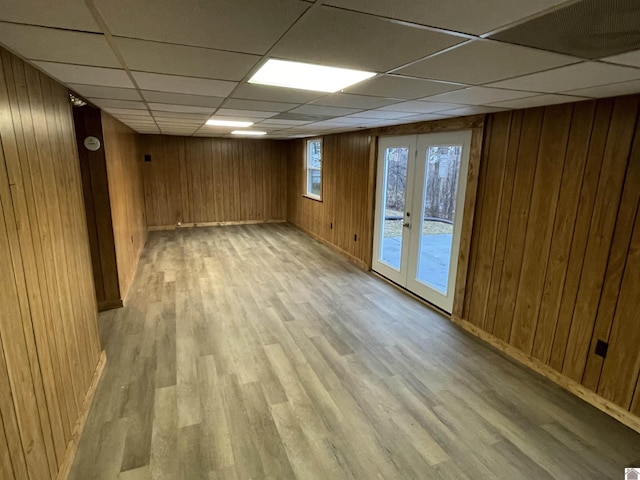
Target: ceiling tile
<point>53,45</point>
<point>90,91</point>
<point>230,112</point>
<point>379,114</point>
<point>354,101</point>
<point>158,57</point>
<point>394,86</point>
<point>630,58</point>
<point>274,94</point>
<point>197,116</point>
<point>177,84</point>
<point>423,117</point>
<point>340,38</point>
<point>538,101</point>
<point>586,29</point>
<point>257,105</point>
<point>323,110</point>
<point>282,122</point>
<point>457,15</point>
<point>483,61</point>
<point>472,110</point>
<point>254,28</point>
<point>183,125</point>
<point>69,14</point>
<point>420,107</point>
<point>478,96</point>
<point>117,112</point>
<point>106,77</point>
<point>612,90</point>
<point>133,118</point>
<point>107,103</point>
<point>572,77</point>
<point>130,113</point>
<point>147,131</point>
<point>166,107</point>
<point>138,123</point>
<point>182,99</point>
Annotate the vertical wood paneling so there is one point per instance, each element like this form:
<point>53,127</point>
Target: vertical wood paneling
<point>209,180</point>
<point>503,221</point>
<point>616,156</point>
<point>616,265</point>
<point>347,191</point>
<point>542,211</point>
<point>49,343</point>
<point>597,144</point>
<point>572,179</point>
<point>124,169</point>
<point>569,190</point>
<point>95,186</point>
<point>6,469</point>
<point>519,213</point>
<point>622,365</point>
<point>477,220</point>
<point>492,192</point>
<point>8,311</point>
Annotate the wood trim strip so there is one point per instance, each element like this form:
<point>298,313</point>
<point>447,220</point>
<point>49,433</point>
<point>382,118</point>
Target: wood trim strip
<point>466,235</point>
<point>602,404</point>
<point>212,224</point>
<point>72,446</point>
<point>431,126</point>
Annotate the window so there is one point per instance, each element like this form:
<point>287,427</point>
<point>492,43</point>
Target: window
<point>314,168</point>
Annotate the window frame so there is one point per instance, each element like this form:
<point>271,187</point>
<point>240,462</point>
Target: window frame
<point>307,168</point>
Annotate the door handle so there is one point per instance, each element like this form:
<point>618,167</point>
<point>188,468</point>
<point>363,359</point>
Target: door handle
<point>406,225</point>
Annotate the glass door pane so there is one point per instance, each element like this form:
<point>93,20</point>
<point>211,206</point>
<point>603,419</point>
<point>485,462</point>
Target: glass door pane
<point>439,200</point>
<point>394,195</point>
<point>394,187</point>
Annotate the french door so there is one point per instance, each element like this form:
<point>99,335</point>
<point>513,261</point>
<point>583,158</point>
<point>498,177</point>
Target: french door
<point>419,202</point>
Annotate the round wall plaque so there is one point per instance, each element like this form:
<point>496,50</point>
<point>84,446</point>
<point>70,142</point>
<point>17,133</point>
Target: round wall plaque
<point>92,143</point>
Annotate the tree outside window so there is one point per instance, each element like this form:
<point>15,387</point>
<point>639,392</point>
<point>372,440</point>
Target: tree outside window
<point>314,168</point>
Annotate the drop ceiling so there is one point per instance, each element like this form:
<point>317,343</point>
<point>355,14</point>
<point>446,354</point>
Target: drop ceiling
<point>162,66</point>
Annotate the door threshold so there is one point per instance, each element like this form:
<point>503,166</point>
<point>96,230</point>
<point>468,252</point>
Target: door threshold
<point>411,294</point>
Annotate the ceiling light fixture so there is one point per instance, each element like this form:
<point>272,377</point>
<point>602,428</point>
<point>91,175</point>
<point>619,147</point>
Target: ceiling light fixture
<point>307,76</point>
<point>76,101</point>
<point>228,123</point>
<point>248,132</point>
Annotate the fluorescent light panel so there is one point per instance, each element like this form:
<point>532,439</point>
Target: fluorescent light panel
<point>228,123</point>
<point>307,76</point>
<point>248,132</point>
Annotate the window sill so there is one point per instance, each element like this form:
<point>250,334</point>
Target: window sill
<point>316,199</point>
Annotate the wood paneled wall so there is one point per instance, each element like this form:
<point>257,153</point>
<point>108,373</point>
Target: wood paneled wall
<point>126,192</point>
<point>344,216</point>
<point>49,342</point>
<point>95,190</point>
<point>192,180</point>
<point>555,258</point>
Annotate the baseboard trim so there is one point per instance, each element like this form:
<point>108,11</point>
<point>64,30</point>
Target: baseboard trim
<point>210,224</point>
<point>109,305</point>
<point>606,406</point>
<point>72,446</point>
<point>355,260</point>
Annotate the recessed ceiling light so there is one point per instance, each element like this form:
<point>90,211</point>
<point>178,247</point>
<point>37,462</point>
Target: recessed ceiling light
<point>228,123</point>
<point>248,132</point>
<point>307,76</point>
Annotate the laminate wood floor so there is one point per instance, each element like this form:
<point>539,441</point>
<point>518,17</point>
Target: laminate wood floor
<point>254,352</point>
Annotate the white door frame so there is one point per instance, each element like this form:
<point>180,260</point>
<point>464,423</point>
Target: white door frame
<point>412,238</point>
<point>443,301</point>
<point>384,143</point>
